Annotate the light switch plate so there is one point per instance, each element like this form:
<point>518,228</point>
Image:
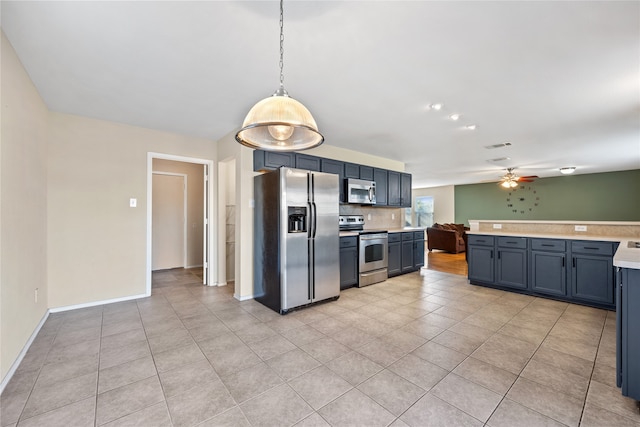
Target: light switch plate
<point>133,203</point>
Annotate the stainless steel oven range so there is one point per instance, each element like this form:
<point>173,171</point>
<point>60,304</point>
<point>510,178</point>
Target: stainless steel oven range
<point>372,250</point>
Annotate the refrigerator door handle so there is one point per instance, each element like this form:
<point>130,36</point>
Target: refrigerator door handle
<point>314,219</point>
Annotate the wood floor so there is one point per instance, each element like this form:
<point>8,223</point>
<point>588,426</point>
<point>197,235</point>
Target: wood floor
<point>446,262</point>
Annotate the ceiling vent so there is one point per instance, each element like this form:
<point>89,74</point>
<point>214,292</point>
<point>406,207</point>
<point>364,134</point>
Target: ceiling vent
<point>494,146</point>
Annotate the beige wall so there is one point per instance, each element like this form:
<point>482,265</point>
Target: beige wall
<point>96,241</point>
<point>23,211</point>
<point>195,204</point>
<point>443,202</point>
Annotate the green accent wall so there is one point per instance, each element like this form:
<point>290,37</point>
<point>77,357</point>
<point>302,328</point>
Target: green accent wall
<point>610,196</point>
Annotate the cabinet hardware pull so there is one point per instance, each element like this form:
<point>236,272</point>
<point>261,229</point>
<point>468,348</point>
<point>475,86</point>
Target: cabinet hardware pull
<point>547,244</point>
<point>512,243</point>
<point>573,262</point>
<point>498,254</point>
<point>491,254</point>
<point>591,248</point>
<point>563,262</point>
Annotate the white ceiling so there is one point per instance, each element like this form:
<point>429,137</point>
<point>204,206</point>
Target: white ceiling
<point>559,80</point>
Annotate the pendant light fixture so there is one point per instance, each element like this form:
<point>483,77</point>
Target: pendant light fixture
<point>279,122</point>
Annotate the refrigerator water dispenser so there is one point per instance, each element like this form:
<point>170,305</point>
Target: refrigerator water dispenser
<point>297,219</point>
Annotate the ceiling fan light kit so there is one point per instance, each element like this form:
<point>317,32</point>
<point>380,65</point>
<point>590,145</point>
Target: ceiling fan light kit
<point>279,122</point>
<point>567,170</point>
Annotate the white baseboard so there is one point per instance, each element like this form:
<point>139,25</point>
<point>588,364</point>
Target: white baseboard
<point>193,266</point>
<point>18,360</point>
<point>242,298</point>
<point>94,303</point>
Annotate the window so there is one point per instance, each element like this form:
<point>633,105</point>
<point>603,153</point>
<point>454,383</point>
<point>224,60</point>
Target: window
<point>421,215</point>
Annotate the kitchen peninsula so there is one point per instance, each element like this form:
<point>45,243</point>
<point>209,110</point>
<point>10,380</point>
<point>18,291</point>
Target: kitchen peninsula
<point>567,260</point>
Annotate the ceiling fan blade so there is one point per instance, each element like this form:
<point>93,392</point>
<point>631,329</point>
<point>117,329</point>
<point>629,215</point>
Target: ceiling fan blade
<point>530,177</point>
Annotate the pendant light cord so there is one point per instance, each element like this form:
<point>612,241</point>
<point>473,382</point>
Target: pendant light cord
<point>281,44</point>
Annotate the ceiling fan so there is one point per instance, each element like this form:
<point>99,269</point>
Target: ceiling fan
<point>511,180</point>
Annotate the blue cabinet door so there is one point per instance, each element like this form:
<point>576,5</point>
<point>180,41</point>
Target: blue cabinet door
<point>512,268</point>
<point>307,162</point>
<point>592,278</point>
<point>393,188</point>
<point>407,256</point>
<point>394,262</point>
<point>380,176</point>
<point>481,263</point>
<point>348,267</point>
<point>405,190</point>
<point>548,273</point>
<point>418,253</point>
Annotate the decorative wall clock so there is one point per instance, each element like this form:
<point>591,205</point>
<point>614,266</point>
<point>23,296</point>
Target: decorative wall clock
<point>523,199</point>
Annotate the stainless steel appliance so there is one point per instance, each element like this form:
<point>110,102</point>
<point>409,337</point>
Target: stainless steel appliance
<point>360,191</point>
<point>296,247</point>
<point>373,257</point>
<point>372,250</point>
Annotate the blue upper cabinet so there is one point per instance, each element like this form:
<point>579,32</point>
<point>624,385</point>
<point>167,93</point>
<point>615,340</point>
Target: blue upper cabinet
<point>307,162</point>
<point>351,170</point>
<point>366,173</point>
<point>392,188</point>
<point>271,160</point>
<point>380,177</point>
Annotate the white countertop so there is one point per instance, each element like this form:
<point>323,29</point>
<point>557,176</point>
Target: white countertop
<point>624,257</point>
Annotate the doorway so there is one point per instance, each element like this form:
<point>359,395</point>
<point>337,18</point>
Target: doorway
<point>189,222</point>
<point>169,219</point>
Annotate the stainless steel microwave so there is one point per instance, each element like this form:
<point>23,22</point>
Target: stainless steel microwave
<point>360,191</point>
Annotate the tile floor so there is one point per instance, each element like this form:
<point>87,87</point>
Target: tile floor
<point>423,349</point>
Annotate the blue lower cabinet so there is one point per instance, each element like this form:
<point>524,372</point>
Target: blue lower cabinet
<point>481,264</point>
<point>348,261</point>
<point>512,268</point>
<point>569,270</point>
<point>627,337</point>
<point>548,273</point>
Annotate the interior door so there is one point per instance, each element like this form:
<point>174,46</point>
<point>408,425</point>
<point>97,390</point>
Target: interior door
<point>168,221</point>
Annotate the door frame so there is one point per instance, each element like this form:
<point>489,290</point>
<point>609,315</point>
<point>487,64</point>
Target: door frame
<point>210,233</point>
<point>185,189</point>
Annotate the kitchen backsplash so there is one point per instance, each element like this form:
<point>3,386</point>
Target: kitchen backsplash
<point>381,218</point>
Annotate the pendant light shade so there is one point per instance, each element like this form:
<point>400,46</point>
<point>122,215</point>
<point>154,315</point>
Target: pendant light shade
<point>279,123</point>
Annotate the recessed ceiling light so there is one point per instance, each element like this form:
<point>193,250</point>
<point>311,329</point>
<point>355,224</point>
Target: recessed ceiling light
<point>437,106</point>
<point>471,127</point>
<point>502,144</point>
<point>567,170</point>
<point>454,116</point>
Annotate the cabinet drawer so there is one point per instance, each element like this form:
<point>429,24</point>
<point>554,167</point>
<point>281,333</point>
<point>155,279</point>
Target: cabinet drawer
<point>548,245</point>
<point>407,236</point>
<point>418,235</point>
<point>394,237</point>
<point>480,240</point>
<point>348,241</point>
<point>595,248</point>
<point>512,242</point>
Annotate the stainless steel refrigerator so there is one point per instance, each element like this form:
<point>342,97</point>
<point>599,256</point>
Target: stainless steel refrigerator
<point>296,246</point>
